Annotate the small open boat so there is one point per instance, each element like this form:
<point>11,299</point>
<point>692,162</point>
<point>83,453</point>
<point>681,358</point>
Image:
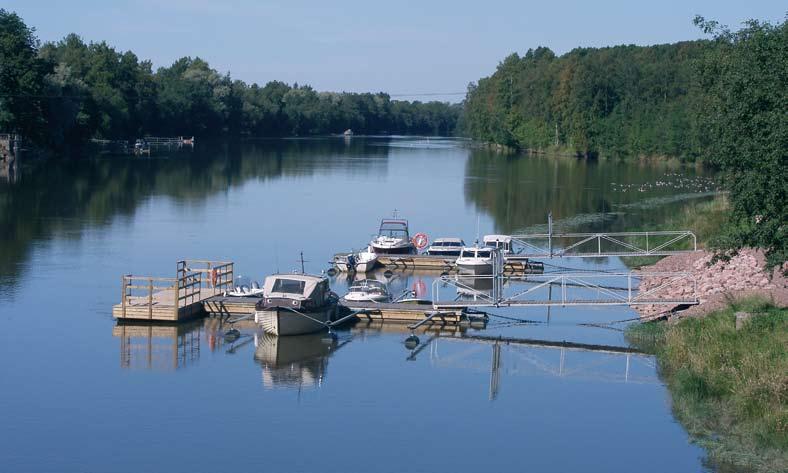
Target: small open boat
<point>367,290</point>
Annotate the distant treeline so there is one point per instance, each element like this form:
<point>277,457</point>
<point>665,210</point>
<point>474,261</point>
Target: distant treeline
<point>61,94</point>
<point>622,100</point>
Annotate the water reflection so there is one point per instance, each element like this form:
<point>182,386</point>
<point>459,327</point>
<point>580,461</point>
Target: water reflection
<point>583,195</point>
<point>159,347</point>
<point>64,197</point>
<point>164,347</point>
<point>294,362</point>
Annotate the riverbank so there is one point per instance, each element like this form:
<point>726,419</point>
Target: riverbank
<point>744,275</point>
<point>728,381</point>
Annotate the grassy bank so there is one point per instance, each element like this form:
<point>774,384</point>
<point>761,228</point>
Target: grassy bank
<point>729,387</point>
<point>706,219</point>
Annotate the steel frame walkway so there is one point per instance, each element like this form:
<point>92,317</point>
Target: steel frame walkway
<point>566,283</point>
<point>594,245</point>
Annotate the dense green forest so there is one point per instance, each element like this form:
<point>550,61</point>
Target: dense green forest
<point>622,100</point>
<point>720,101</point>
<point>59,95</point>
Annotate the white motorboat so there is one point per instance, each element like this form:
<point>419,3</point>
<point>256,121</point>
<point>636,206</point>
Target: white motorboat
<point>367,290</point>
<point>500,242</point>
<point>393,238</point>
<point>295,304</point>
<point>476,260</point>
<point>446,247</point>
<point>366,260</point>
<point>361,262</point>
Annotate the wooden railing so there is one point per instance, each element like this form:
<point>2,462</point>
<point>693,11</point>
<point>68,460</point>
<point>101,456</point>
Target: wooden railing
<point>145,287</point>
<point>176,293</point>
<point>216,274</point>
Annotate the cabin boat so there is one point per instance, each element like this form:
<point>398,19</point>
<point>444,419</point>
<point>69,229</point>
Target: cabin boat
<point>393,238</point>
<point>367,290</point>
<point>476,260</point>
<point>500,242</point>
<point>295,304</point>
<point>446,247</point>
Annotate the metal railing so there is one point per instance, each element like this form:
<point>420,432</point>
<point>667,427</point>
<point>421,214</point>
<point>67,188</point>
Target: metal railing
<point>591,245</point>
<point>587,289</point>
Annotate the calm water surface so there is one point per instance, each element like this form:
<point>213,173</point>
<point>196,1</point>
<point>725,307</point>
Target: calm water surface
<point>82,394</point>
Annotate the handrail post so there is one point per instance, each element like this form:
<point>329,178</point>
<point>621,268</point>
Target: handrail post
<point>123,295</point>
<point>176,290</point>
<point>150,298</point>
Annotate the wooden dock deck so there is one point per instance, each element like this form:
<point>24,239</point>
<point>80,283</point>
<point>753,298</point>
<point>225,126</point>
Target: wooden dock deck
<point>173,299</point>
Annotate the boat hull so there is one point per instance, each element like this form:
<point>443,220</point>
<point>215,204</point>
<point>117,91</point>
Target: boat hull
<point>478,269</point>
<point>367,298</point>
<point>408,249</point>
<point>283,322</point>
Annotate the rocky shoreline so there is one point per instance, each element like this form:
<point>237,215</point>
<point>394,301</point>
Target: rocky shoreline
<point>745,275</point>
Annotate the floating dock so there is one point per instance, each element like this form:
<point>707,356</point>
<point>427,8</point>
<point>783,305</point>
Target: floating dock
<point>407,313</point>
<point>198,290</point>
<point>448,264</point>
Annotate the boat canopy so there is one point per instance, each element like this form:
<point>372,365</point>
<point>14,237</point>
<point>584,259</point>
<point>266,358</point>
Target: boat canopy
<point>497,238</point>
<point>296,286</point>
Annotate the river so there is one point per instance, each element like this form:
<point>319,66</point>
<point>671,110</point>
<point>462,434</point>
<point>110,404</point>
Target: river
<point>82,394</point>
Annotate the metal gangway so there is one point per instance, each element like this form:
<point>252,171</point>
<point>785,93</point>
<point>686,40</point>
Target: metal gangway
<point>578,288</point>
<point>601,244</point>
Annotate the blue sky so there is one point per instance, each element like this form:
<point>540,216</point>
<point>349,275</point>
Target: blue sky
<point>403,47</point>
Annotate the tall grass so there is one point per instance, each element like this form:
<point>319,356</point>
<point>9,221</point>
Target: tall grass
<point>729,387</point>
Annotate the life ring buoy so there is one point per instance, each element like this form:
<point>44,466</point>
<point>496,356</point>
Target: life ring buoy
<point>213,277</point>
<point>421,240</point>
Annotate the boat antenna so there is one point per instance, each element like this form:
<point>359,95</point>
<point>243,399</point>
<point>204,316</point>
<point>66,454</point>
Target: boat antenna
<point>395,213</point>
<point>302,263</point>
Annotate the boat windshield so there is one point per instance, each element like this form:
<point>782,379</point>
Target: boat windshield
<point>394,230</point>
<point>447,243</point>
<point>483,254</point>
<point>289,286</point>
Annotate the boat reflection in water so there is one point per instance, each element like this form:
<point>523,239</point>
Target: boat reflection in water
<point>294,362</point>
<point>471,288</point>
